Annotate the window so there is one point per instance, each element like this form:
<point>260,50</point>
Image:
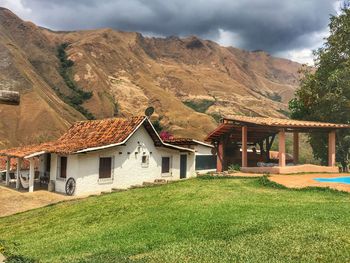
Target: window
<point>165,165</point>
<point>105,170</point>
<point>145,161</point>
<point>62,167</point>
<point>205,162</point>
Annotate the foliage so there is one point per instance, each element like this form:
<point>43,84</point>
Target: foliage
<point>216,116</point>
<point>78,96</point>
<point>264,181</point>
<point>199,105</point>
<point>324,94</point>
<point>234,167</point>
<point>188,221</point>
<point>165,135</point>
<point>157,125</point>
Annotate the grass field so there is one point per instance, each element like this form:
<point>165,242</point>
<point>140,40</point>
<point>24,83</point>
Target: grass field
<point>197,220</point>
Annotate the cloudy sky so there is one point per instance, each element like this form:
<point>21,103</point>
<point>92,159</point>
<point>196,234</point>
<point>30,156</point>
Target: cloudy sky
<point>290,29</point>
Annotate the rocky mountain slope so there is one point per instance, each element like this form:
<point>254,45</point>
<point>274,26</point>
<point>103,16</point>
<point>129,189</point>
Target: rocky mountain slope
<point>189,81</point>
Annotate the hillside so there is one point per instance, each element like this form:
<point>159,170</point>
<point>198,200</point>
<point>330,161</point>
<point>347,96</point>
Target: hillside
<point>191,82</point>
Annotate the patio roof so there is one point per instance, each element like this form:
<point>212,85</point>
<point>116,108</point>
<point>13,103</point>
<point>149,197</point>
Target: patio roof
<point>263,127</point>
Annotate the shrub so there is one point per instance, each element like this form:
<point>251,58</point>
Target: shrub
<point>234,167</point>
<point>200,106</point>
<point>78,96</point>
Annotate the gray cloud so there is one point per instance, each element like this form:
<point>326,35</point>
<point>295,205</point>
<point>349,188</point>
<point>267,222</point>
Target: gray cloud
<point>273,25</point>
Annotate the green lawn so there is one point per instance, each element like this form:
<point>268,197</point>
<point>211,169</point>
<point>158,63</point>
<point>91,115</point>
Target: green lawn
<point>197,220</point>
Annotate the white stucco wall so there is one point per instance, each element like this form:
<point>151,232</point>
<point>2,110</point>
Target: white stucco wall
<point>127,169</point>
<point>202,149</point>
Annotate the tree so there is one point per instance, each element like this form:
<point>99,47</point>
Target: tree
<point>324,93</point>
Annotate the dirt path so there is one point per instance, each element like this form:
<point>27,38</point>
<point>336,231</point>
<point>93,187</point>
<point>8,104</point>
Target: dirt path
<point>305,180</point>
<point>12,201</point>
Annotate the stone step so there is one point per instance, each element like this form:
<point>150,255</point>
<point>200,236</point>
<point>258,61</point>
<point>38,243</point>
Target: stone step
<point>148,183</point>
<point>118,190</point>
<point>160,181</point>
<point>135,186</point>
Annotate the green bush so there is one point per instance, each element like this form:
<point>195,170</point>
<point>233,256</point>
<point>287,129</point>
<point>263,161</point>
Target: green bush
<point>78,96</point>
<point>216,116</point>
<point>234,167</point>
<point>200,106</point>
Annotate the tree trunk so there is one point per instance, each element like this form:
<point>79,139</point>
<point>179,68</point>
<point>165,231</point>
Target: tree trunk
<point>9,97</point>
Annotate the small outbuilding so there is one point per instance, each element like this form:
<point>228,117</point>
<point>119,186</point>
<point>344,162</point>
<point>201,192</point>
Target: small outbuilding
<point>236,134</point>
<point>205,155</point>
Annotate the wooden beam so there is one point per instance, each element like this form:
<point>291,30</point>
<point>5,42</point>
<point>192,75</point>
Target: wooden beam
<point>331,148</point>
<point>296,148</point>
<point>9,97</point>
<point>8,167</point>
<point>244,146</point>
<point>282,148</point>
<point>19,162</point>
<point>220,157</point>
<point>31,174</point>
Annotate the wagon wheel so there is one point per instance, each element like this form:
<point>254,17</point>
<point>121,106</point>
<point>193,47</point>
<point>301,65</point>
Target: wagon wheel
<point>70,186</point>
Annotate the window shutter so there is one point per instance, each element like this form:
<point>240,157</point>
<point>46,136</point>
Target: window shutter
<point>63,167</point>
<point>105,170</point>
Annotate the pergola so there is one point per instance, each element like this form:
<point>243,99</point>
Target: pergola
<point>245,131</point>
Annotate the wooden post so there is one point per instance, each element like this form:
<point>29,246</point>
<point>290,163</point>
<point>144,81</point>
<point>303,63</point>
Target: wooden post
<point>331,148</point>
<point>282,148</point>
<point>261,147</point>
<point>8,167</point>
<point>31,175</point>
<point>244,146</point>
<point>296,147</point>
<point>220,157</point>
<point>19,162</point>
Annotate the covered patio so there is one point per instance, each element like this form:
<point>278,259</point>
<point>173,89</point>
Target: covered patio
<point>26,172</point>
<point>248,140</point>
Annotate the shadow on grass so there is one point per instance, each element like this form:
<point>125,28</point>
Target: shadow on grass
<point>11,253</point>
<point>218,177</point>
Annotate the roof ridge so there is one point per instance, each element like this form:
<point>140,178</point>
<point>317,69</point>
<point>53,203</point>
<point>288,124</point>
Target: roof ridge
<point>111,118</point>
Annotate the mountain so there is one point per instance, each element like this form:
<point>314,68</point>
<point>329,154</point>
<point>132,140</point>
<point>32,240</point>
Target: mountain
<point>68,76</point>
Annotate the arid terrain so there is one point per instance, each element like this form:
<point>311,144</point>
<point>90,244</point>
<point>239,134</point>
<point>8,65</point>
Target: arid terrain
<point>189,81</point>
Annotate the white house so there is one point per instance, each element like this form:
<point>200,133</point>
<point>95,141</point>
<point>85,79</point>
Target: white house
<point>205,156</point>
<point>101,155</point>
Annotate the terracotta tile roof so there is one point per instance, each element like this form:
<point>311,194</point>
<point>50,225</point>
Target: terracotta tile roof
<point>185,141</point>
<point>89,135</point>
<point>263,127</point>
<point>180,141</point>
<point>83,135</point>
<point>284,123</point>
<point>13,165</point>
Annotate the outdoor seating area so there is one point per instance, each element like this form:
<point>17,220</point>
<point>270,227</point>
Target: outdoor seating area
<point>247,141</point>
<point>15,173</point>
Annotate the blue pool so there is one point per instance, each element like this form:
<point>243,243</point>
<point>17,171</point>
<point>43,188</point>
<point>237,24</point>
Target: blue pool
<point>339,180</point>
